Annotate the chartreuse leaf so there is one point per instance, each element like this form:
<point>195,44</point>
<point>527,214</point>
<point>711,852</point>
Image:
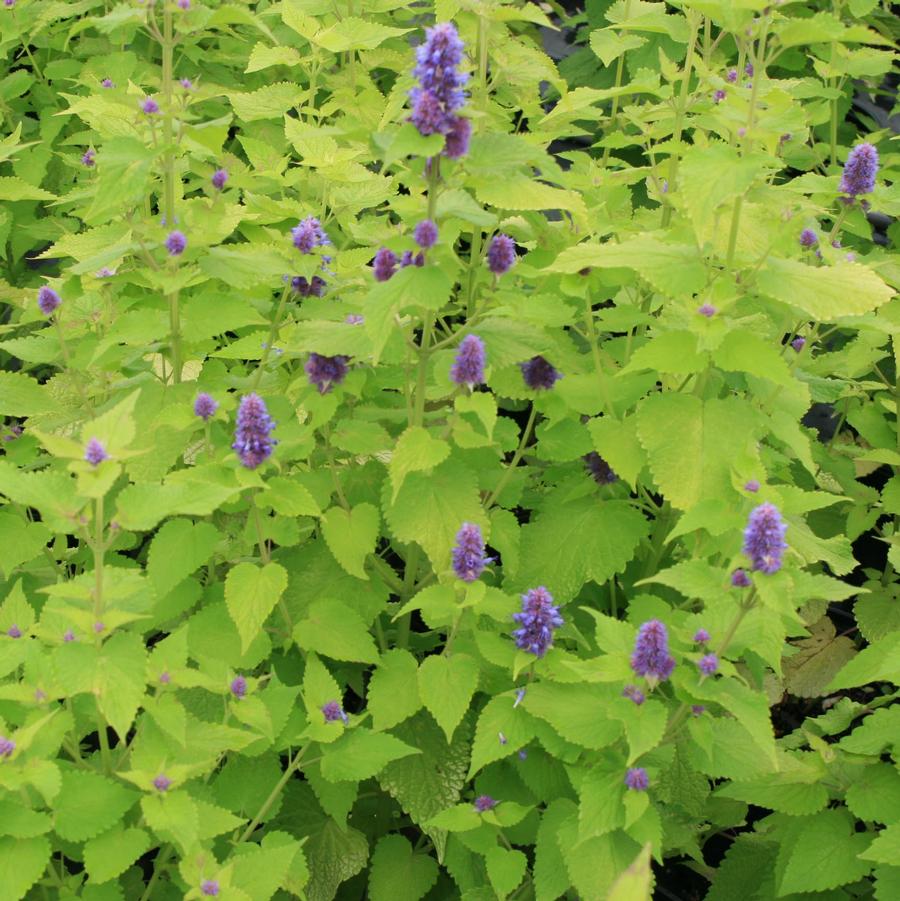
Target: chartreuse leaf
<point>397,873</point>
<point>260,870</point>
<point>21,395</point>
<point>22,861</point>
<point>823,292</point>
<point>416,450</point>
<point>173,816</point>
<point>351,536</point>
<point>335,630</point>
<point>360,754</point>
<point>577,712</point>
<point>618,444</point>
<point>446,686</point>
<point>691,444</point>
<point>499,717</point>
<point>22,822</point>
<point>879,661</point>
<point>251,593</point>
<point>571,543</point>
<point>430,508</point>
<point>88,804</point>
<point>505,869</point>
<point>177,550</point>
<point>636,882</point>
<point>393,694</point>
<point>886,847</point>
<point>120,679</point>
<point>109,855</point>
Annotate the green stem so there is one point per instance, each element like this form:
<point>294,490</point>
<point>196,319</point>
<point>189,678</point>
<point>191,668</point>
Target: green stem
<point>513,464</point>
<point>273,330</point>
<point>680,111</point>
<point>67,362</point>
<point>99,550</point>
<point>292,768</point>
<point>162,860</point>
<point>595,352</point>
<point>614,110</point>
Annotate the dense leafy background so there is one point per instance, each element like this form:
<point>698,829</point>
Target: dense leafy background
<point>635,194</point>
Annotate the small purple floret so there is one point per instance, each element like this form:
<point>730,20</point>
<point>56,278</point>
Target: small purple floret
<point>209,887</point>
<point>636,779</point>
<point>501,255</point>
<point>798,343</point>
<point>205,406</point>
<point>484,803</point>
<point>697,709</point>
<point>333,711</point>
<point>719,95</point>
<point>89,157</point>
<point>601,472</point>
<point>252,438</point>
<point>149,106</point>
<point>468,367</point>
<point>633,693</point>
<point>219,177</point>
<point>309,234</point>
<point>457,141</point>
<point>808,238</point>
<point>468,554</point>
<point>95,453</point>
<point>69,635</point>
<point>354,319</point>
<point>764,538</point>
<point>314,287</point>
<point>7,746</point>
<point>238,687</point>
<point>651,658</point>
<point>385,264</point>
<point>752,486</point>
<point>107,83</point>
<point>176,243</point>
<point>14,631</point>
<point>539,374</point>
<point>162,783</point>
<point>48,300</point>
<point>701,636</point>
<point>860,171</point>
<point>708,664</point>
<point>325,372</point>
<point>707,310</point>
<point>426,234</point>
<point>538,620</point>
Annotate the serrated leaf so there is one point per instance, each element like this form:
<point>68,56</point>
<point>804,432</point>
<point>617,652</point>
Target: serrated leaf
<point>393,694</point>
<point>499,717</point>
<point>817,660</point>
<point>13,189</point>
<point>415,450</point>
<point>22,862</point>
<point>173,816</point>
<point>360,754</point>
<point>336,630</point>
<point>251,593</point>
<point>691,445</point>
<point>120,680</point>
<point>21,395</point>
<point>109,855</point>
<point>262,869</point>
<point>568,544</point>
<point>353,33</point>
<point>397,873</point>
<point>446,686</point>
<point>178,549</point>
<point>351,536</point>
<point>879,661</point>
<point>576,712</point>
<point>88,804</point>
<point>823,292</point>
<point>334,855</point>
<point>269,102</point>
<point>505,869</point>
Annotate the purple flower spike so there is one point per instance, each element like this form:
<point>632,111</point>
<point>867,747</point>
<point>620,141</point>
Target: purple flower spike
<point>149,106</point>
<point>332,711</point>
<point>701,636</point>
<point>426,234</point>
<point>162,783</point>
<point>752,486</point>
<point>219,177</point>
<point>309,234</point>
<point>860,171</point>
<point>468,554</point>
<point>808,238</point>
<point>48,300</point>
<point>385,264</point>
<point>538,619</point>
<point>95,453</point>
<point>209,887</point>
<point>633,693</point>
<point>107,83</point>
<point>205,406</point>
<point>740,579</point>
<point>14,631</point>
<point>651,658</point>
<point>468,367</point>
<point>7,746</point>
<point>636,779</point>
<point>252,438</point>
<point>325,372</point>
<point>176,243</point>
<point>501,255</point>
<point>601,472</point>
<point>798,343</point>
<point>89,158</point>
<point>439,92</point>
<point>238,688</point>
<point>708,664</point>
<point>457,142</point>
<point>764,538</point>
<point>707,310</point>
<point>539,375</point>
<point>485,802</point>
